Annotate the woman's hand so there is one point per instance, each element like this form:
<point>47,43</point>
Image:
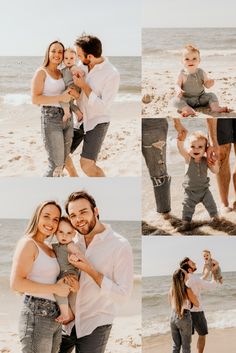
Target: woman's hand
<point>74,93</point>
<point>72,281</point>
<point>66,97</point>
<point>62,289</point>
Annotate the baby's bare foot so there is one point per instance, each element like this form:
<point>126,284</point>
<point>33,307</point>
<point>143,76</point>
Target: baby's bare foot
<point>188,112</point>
<point>66,117</point>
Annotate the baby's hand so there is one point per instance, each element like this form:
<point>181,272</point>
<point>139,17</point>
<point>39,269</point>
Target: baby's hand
<point>179,92</point>
<point>209,83</point>
<point>77,72</point>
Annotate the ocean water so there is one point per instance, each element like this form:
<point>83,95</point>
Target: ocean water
<point>16,73</point>
<point>11,230</point>
<point>219,304</point>
<point>159,40</point>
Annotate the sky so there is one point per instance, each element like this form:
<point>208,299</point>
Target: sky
<point>28,26</point>
<point>188,13</point>
<point>161,255</point>
<point>116,198</point>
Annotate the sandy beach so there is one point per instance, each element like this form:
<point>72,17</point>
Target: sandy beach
<point>218,341</point>
<point>24,153</point>
<point>160,75</point>
<point>125,335</point>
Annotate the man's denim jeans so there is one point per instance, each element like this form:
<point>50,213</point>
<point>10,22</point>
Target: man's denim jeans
<point>181,331</point>
<point>154,135</point>
<point>57,137</point>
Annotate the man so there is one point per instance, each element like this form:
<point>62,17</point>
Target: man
<point>197,284</point>
<point>99,87</point>
<point>106,276</point>
<point>222,134</point>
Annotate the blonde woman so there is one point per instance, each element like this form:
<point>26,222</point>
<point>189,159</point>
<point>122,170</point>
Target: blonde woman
<point>48,90</point>
<point>181,300</point>
<point>34,273</point>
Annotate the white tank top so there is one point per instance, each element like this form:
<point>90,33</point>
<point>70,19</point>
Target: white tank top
<point>45,270</point>
<point>52,87</point>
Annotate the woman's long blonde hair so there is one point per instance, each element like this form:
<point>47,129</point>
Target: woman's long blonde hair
<point>179,291</point>
<point>32,227</point>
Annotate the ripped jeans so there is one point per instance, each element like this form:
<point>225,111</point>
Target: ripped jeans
<point>154,134</point>
<point>57,138</point>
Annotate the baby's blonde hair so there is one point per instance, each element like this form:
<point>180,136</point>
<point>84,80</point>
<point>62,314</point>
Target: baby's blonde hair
<point>208,251</point>
<point>191,48</point>
<point>70,50</point>
<point>197,135</point>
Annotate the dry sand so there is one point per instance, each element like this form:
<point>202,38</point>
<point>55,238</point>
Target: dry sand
<point>218,341</point>
<point>159,79</point>
<point>23,153</point>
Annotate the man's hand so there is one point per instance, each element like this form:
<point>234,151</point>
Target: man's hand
<point>212,154</point>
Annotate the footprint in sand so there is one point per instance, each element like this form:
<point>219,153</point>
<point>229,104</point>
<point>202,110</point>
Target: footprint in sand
<point>16,158</point>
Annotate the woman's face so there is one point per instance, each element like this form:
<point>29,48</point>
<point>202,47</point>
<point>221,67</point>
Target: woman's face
<point>48,220</point>
<point>55,54</point>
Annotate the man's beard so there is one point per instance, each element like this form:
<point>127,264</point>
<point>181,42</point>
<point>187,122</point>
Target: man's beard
<point>88,227</point>
<point>86,62</point>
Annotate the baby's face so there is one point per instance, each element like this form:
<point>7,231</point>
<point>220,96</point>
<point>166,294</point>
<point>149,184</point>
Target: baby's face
<point>65,233</point>
<point>191,60</point>
<point>69,58</point>
<point>206,256</point>
<point>197,148</point>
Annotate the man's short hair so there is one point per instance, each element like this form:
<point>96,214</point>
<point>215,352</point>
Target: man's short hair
<point>90,45</point>
<point>80,195</point>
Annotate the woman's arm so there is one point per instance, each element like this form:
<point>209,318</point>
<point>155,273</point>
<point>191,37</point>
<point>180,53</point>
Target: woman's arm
<point>24,257</point>
<point>37,90</point>
<point>192,297</point>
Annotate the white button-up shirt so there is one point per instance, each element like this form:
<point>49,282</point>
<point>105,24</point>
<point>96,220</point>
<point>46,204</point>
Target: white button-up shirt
<point>104,81</point>
<point>198,284</point>
<point>111,255</point>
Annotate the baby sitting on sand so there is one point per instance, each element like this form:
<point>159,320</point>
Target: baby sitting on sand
<point>211,267</point>
<point>67,73</point>
<point>190,91</point>
<point>196,182</point>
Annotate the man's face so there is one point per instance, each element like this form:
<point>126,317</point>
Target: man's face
<point>82,216</point>
<point>192,265</point>
<point>81,56</point>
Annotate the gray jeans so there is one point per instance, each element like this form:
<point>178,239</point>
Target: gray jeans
<point>181,331</point>
<point>154,135</point>
<point>57,137</point>
<point>94,343</point>
<point>39,333</point>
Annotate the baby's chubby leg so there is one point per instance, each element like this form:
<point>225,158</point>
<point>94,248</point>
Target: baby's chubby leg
<point>67,113</point>
<point>214,103</point>
<point>183,107</point>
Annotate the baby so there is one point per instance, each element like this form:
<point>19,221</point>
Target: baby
<point>211,266</point>
<point>190,92</point>
<point>67,72</point>
<point>196,182</point>
<point>65,233</point>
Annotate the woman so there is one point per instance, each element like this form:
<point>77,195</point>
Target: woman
<point>48,91</point>
<point>34,273</point>
<point>181,299</point>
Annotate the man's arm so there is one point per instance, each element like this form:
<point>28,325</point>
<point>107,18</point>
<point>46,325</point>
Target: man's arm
<point>120,285</point>
<point>109,91</point>
<point>202,283</point>
<point>213,149</point>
